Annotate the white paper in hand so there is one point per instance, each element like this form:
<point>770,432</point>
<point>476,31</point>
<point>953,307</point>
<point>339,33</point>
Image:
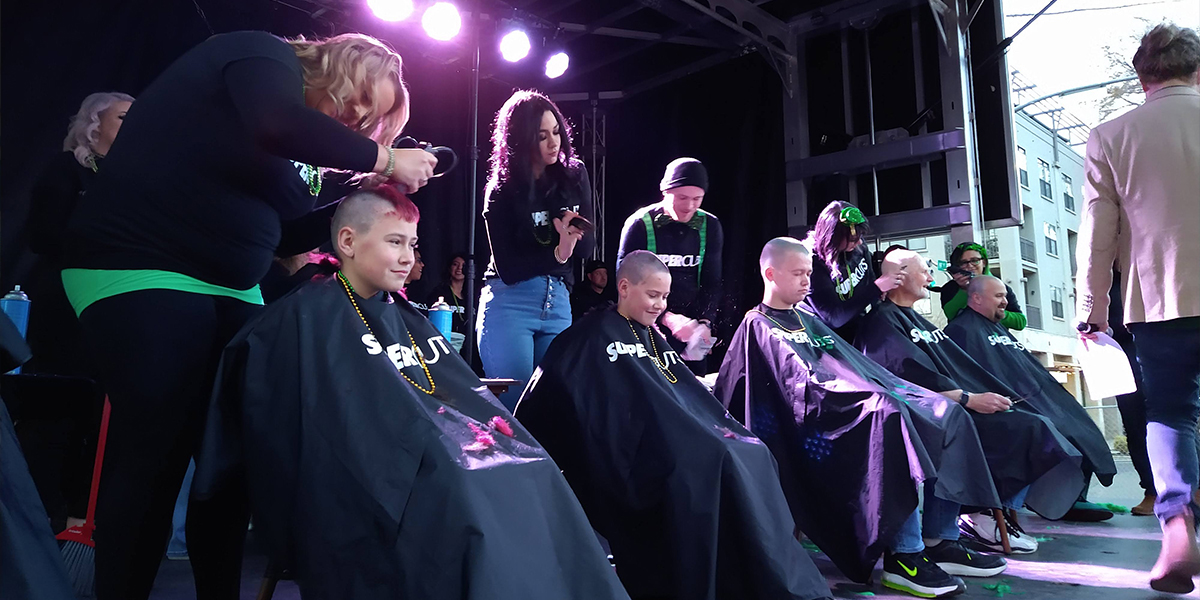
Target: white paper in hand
<point>699,344</point>
<point>1106,369</point>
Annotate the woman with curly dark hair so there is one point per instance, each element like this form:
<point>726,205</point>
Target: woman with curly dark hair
<point>536,188</point>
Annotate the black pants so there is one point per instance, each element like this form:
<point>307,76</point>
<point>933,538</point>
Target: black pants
<point>156,352</point>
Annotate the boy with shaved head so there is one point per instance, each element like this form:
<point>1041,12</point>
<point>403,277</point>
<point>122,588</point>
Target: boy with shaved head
<point>687,498</point>
<point>378,464</point>
<point>833,416</point>
<point>978,331</point>
<point>1031,462</point>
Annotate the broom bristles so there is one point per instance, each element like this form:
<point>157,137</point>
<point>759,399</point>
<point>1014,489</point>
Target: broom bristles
<point>81,567</point>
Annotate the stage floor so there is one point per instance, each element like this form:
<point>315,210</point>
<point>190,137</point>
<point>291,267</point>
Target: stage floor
<point>1075,561</point>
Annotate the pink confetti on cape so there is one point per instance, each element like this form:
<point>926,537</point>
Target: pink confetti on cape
<point>483,439</point>
<point>499,424</point>
<point>441,410</point>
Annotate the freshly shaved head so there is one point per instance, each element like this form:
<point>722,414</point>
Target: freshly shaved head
<point>917,278</point>
<point>988,296</point>
<point>786,268</point>
<point>362,208</point>
<point>643,285</point>
<point>639,264</point>
<point>980,284</point>
<point>775,250</point>
<point>375,237</point>
<point>898,260</point>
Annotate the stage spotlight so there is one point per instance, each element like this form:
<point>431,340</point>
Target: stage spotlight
<point>514,45</point>
<point>557,64</point>
<point>391,10</point>
<point>441,21</point>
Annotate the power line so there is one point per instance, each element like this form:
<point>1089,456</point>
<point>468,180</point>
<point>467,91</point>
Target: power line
<point>1075,10</point>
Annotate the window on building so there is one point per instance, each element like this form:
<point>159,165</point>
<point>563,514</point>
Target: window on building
<point>1056,302</point>
<point>1068,199</point>
<point>1072,244</point>
<point>1044,179</point>
<point>1022,167</point>
<point>1051,239</point>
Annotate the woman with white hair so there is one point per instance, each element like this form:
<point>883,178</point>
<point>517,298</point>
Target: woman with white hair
<point>168,247</point>
<point>54,334</point>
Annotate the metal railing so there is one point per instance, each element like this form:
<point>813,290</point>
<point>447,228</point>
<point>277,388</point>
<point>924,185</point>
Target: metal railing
<point>1028,250</point>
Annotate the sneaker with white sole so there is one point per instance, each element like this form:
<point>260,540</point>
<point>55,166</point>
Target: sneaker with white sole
<point>982,529</point>
<point>955,559</point>
<point>915,574</point>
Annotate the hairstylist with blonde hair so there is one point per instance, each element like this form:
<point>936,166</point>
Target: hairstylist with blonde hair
<point>167,250</point>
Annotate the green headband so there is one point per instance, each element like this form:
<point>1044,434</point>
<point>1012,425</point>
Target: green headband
<point>973,246</point>
<point>851,216</point>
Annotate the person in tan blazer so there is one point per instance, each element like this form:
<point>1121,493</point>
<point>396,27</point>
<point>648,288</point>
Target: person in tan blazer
<point>1141,211</point>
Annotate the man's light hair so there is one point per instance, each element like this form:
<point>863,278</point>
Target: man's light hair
<point>897,259</point>
<point>979,285</point>
<point>640,264</point>
<point>85,125</point>
<point>774,251</point>
<point>343,65</point>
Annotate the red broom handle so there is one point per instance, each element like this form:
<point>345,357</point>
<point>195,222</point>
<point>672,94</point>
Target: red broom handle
<point>91,511</point>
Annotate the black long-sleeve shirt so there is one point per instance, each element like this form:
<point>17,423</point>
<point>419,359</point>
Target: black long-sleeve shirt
<point>521,229</point>
<point>839,299</point>
<point>202,172</point>
<point>695,282</point>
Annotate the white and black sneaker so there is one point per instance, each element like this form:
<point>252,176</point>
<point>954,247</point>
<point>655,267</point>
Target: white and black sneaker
<point>917,575</point>
<point>982,529</point>
<point>955,559</point>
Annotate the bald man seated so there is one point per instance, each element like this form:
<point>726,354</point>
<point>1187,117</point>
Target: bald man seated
<point>978,331</point>
<point>687,498</point>
<point>831,415</point>
<point>1030,461</point>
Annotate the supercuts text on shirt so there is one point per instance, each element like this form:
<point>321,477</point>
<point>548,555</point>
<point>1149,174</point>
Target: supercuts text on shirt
<point>1004,340</point>
<point>541,218</point>
<point>681,260</point>
<point>931,337</point>
<point>802,337</point>
<point>617,349</point>
<point>404,356</point>
<point>846,286</point>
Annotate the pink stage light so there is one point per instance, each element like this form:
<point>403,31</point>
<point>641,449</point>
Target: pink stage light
<point>514,45</point>
<point>442,21</point>
<point>391,10</point>
<point>557,64</point>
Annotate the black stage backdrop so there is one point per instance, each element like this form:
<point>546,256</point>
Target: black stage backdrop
<point>729,117</point>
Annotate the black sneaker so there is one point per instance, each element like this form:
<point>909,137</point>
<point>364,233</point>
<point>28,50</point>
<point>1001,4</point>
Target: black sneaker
<point>915,574</point>
<point>956,559</point>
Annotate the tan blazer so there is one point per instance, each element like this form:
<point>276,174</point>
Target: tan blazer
<point>1141,209</point>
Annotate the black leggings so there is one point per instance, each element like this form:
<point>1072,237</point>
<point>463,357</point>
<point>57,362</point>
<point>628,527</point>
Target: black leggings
<point>156,352</point>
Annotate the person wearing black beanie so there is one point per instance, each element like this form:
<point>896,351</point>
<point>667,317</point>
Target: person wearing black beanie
<point>689,241</point>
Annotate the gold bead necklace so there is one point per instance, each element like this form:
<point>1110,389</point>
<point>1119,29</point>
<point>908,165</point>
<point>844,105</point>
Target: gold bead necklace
<point>420,357</point>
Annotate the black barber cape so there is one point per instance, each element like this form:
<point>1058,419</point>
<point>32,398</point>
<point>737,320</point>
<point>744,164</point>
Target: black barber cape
<point>688,500</point>
<point>31,565</point>
<point>852,440</point>
<point>993,347</point>
<point>370,488</point>
<point>1023,448</point>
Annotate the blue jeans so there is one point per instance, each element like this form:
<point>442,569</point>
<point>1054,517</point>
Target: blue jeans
<point>178,544</point>
<point>940,522</point>
<point>516,325</point>
<point>1168,353</point>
